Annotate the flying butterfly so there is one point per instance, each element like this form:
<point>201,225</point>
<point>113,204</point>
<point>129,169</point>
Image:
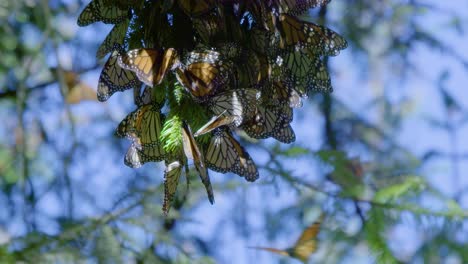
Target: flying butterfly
<point>116,36</point>
<point>239,103</point>
<point>192,152</point>
<point>304,246</point>
<point>215,122</point>
<point>98,10</point>
<point>317,40</point>
<point>225,154</point>
<point>150,65</point>
<point>143,126</point>
<point>196,7</point>
<point>115,79</point>
<point>296,7</point>
<point>171,180</point>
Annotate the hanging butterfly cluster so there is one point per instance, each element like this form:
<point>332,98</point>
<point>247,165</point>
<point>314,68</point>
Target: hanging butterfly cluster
<point>221,65</point>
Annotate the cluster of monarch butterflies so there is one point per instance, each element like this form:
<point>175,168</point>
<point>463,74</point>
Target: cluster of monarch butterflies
<point>243,66</point>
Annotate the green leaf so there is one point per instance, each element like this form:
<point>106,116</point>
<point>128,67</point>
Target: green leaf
<point>410,185</point>
<point>375,228</point>
<point>294,152</point>
<point>107,249</point>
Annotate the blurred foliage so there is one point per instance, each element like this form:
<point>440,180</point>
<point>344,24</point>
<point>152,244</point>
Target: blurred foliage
<point>66,198</point>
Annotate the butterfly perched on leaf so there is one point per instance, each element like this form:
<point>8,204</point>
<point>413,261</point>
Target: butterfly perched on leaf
<point>150,65</point>
<point>115,79</point>
<point>317,40</point>
<point>143,127</point>
<point>225,154</point>
<point>304,246</point>
<point>99,10</point>
<point>192,152</point>
<point>171,180</point>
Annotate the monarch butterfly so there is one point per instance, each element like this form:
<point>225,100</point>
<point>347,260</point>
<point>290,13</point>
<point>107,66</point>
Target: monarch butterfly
<point>143,126</point>
<point>304,246</point>
<point>225,154</point>
<point>260,14</point>
<point>230,50</point>
<point>116,36</point>
<point>192,152</point>
<point>238,103</point>
<point>203,79</point>
<point>252,69</point>
<point>136,157</point>
<point>196,7</point>
<point>209,26</point>
<point>317,40</point>
<point>115,79</point>
<point>273,122</point>
<point>305,73</point>
<point>171,180</point>
<point>145,98</point>
<point>296,7</point>
<point>278,93</point>
<point>150,65</point>
<point>215,122</point>
<point>263,41</point>
<point>97,10</point>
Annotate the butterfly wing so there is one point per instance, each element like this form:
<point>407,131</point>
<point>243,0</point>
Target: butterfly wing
<point>116,36</point>
<point>215,122</point>
<point>296,7</point>
<point>305,73</point>
<point>271,121</point>
<point>115,79</point>
<point>97,10</point>
<point>150,65</point>
<point>318,40</point>
<point>143,126</point>
<point>307,242</point>
<point>171,180</point>
<point>192,151</point>
<point>238,103</point>
<point>196,7</point>
<point>225,154</point>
